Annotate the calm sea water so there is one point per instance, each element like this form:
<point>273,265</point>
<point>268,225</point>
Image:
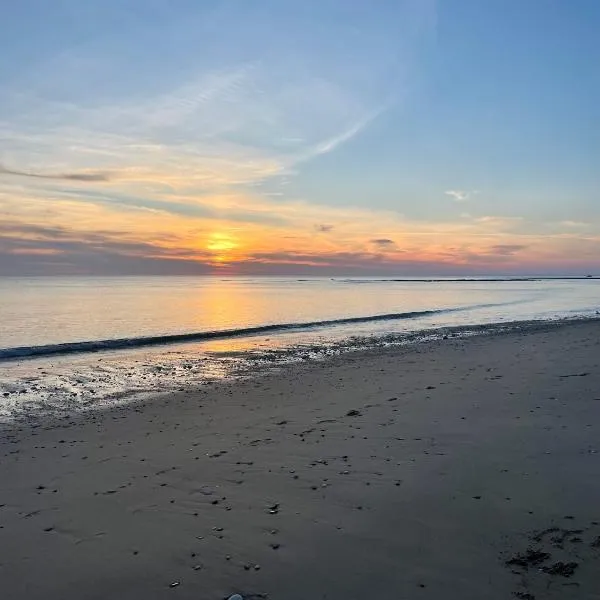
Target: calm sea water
<point>229,324</point>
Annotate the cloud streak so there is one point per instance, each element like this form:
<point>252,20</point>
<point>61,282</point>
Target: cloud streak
<point>324,228</point>
<point>93,176</point>
<point>461,195</point>
<point>507,249</point>
<point>332,143</point>
<point>383,242</point>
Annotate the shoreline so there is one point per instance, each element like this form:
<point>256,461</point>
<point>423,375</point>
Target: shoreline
<point>418,471</point>
<point>86,347</point>
<point>251,364</point>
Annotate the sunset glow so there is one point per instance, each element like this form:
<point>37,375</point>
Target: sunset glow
<point>312,143</point>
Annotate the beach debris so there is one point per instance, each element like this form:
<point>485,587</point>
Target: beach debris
<point>260,441</point>
<point>561,568</point>
<point>175,584</point>
<point>353,413</point>
<point>573,375</point>
<point>273,509</point>
<point>235,597</point>
<point>537,566</point>
<point>216,454</point>
<point>529,558</point>
<point>558,541</point>
<point>539,535</point>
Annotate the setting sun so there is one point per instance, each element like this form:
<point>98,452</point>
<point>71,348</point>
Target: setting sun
<point>221,244</point>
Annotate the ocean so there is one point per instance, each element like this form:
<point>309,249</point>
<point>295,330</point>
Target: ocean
<point>74,343</point>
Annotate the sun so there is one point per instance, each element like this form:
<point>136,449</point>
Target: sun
<point>221,242</point>
<point>221,245</point>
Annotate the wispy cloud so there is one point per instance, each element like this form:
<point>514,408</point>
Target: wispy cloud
<point>574,224</point>
<point>331,143</point>
<point>81,176</point>
<point>220,130</point>
<point>383,242</point>
<point>243,113</point>
<point>324,228</point>
<point>461,195</point>
<point>507,249</point>
<point>497,221</point>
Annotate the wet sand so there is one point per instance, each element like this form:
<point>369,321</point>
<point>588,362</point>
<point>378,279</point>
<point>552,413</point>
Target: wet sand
<point>459,469</point>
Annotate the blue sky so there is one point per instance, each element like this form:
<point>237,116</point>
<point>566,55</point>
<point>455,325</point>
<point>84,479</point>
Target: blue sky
<point>282,136</point>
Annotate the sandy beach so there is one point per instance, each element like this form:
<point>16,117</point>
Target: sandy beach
<point>460,469</point>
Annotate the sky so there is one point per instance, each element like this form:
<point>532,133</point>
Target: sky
<point>316,137</point>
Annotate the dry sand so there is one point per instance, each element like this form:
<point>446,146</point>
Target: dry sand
<point>423,472</point>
